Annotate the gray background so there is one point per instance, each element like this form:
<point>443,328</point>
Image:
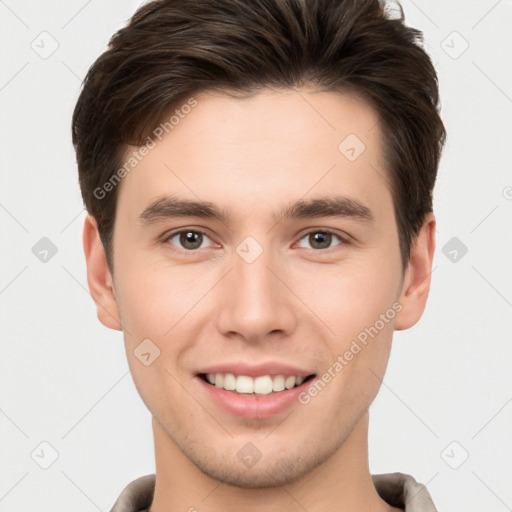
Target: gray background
<point>444,411</point>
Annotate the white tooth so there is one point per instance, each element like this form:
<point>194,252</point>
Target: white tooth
<point>219,380</point>
<point>244,384</point>
<point>299,381</point>
<point>278,383</point>
<point>263,385</point>
<point>210,377</point>
<point>289,382</point>
<point>229,382</point>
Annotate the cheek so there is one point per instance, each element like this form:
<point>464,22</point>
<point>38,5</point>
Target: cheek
<point>348,296</point>
<point>156,308</point>
<point>163,304</point>
<point>155,300</point>
<point>353,371</point>
<point>356,301</point>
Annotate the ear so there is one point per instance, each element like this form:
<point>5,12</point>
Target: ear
<point>99,279</point>
<point>416,283</point>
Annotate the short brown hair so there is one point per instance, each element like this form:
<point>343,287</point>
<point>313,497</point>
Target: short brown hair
<point>172,49</point>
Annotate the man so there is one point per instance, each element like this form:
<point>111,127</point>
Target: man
<point>258,177</point>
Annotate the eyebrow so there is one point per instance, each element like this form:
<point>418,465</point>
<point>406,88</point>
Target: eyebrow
<point>169,207</point>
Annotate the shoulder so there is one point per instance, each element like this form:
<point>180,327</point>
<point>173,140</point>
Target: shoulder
<point>402,490</point>
<point>136,496</point>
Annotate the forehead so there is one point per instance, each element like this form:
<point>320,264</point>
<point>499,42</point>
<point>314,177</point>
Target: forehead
<point>269,148</point>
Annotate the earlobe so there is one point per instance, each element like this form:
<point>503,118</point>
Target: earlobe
<point>99,278</point>
<point>416,284</point>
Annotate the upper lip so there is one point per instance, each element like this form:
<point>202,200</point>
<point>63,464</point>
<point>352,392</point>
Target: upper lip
<point>255,370</point>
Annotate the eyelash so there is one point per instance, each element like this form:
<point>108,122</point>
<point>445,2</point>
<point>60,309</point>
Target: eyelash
<point>343,240</point>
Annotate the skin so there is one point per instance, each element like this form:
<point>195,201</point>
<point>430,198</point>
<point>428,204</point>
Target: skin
<point>296,303</point>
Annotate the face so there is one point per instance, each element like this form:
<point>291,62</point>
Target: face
<point>254,293</point>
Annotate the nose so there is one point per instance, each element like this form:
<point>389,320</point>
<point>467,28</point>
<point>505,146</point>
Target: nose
<point>256,300</point>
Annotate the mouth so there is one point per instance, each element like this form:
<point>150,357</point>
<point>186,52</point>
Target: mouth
<point>258,386</point>
<point>253,390</point>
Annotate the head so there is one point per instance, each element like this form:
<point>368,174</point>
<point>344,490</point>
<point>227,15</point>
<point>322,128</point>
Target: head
<point>286,120</point>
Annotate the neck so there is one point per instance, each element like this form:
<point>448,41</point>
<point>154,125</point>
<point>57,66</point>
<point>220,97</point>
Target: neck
<point>341,483</point>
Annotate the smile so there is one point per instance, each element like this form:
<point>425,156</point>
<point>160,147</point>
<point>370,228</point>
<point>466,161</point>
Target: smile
<point>259,386</point>
<point>257,397</point>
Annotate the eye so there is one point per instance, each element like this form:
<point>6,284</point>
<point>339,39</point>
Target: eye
<point>192,239</point>
<point>189,239</point>
<point>321,239</point>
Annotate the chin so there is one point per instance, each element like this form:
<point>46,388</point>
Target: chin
<point>264,476</point>
<point>271,470</point>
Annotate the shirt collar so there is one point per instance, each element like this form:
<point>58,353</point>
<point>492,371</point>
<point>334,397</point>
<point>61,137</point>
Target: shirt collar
<point>398,489</point>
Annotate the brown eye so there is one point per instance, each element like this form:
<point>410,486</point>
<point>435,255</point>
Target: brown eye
<point>188,239</point>
<point>320,240</point>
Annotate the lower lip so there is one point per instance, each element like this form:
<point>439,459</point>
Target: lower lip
<point>254,406</point>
